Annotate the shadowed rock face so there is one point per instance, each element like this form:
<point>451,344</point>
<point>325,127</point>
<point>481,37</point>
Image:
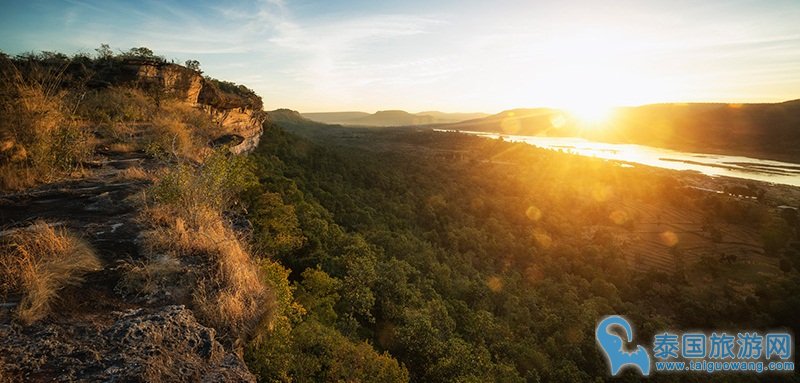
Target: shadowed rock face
<point>139,345</point>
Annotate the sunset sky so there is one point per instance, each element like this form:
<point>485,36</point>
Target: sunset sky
<point>446,55</point>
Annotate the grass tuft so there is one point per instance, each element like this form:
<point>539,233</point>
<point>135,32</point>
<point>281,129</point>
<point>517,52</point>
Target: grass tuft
<point>135,173</point>
<point>186,223</point>
<point>37,262</point>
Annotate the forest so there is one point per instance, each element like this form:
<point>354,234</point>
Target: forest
<point>472,259</point>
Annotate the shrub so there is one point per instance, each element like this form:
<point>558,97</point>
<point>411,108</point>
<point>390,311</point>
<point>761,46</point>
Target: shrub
<point>187,223</point>
<point>229,292</point>
<point>134,173</point>
<point>39,261</point>
<point>199,123</point>
<point>169,137</point>
<point>214,184</point>
<point>116,105</point>
<point>36,134</point>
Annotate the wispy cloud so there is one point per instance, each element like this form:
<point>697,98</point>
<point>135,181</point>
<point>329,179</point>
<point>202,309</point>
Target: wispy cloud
<point>457,55</point>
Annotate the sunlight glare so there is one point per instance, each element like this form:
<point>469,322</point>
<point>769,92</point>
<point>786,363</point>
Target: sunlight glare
<point>591,113</point>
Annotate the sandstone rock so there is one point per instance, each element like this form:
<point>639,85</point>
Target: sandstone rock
<point>234,113</point>
<point>139,345</point>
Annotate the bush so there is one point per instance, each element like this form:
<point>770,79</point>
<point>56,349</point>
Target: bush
<point>116,105</point>
<point>187,223</point>
<point>229,293</point>
<point>37,137</point>
<point>215,183</point>
<point>39,261</point>
<point>169,137</point>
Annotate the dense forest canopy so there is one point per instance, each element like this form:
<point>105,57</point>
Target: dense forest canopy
<point>491,267</point>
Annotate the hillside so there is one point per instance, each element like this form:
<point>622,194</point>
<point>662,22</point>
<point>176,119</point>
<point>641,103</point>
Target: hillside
<point>538,121</point>
<point>291,118</point>
<point>478,253</point>
<point>138,243</point>
<point>101,158</point>
<point>760,130</point>
<point>390,118</point>
<point>335,117</point>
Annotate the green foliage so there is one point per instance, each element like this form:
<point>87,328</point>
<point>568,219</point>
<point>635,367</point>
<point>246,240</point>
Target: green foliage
<point>324,355</point>
<point>215,183</point>
<point>142,53</point>
<point>775,233</point>
<point>469,271</point>
<point>276,229</point>
<point>104,52</point>
<point>305,350</point>
<point>318,292</point>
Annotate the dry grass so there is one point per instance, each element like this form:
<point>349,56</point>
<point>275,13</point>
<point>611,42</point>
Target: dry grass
<point>16,178</point>
<point>230,294</point>
<point>36,133</point>
<point>151,278</point>
<point>169,137</point>
<point>200,122</point>
<point>38,262</point>
<point>117,107</point>
<point>135,173</point>
<point>123,147</point>
<point>181,131</point>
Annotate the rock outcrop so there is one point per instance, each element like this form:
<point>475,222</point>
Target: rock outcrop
<point>165,344</point>
<point>98,333</point>
<point>98,330</point>
<point>236,109</point>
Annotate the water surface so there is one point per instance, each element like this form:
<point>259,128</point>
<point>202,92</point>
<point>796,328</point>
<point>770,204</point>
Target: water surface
<point>709,164</point>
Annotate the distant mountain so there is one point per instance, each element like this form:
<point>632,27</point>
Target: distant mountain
<point>443,117</point>
<point>766,130</point>
<point>290,119</point>
<point>335,117</point>
<point>390,118</point>
<point>533,122</point>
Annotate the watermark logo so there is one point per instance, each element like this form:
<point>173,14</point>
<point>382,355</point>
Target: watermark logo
<point>614,347</point>
<point>747,351</point>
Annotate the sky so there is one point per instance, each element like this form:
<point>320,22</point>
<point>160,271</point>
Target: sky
<point>461,55</point>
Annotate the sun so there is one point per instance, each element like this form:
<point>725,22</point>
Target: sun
<point>591,113</point>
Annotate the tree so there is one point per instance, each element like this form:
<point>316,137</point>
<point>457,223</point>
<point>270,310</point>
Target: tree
<point>104,52</point>
<point>193,65</point>
<point>143,53</point>
<point>319,293</point>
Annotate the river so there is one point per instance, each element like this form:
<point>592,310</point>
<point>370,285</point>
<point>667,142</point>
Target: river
<point>709,164</point>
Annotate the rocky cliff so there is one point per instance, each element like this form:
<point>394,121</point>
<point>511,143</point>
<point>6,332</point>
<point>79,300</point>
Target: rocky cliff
<point>236,109</point>
<point>98,326</point>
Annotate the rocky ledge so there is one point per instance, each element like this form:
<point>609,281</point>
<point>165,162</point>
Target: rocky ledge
<point>165,344</point>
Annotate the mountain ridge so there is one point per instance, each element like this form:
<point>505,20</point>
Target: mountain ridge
<point>390,117</point>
